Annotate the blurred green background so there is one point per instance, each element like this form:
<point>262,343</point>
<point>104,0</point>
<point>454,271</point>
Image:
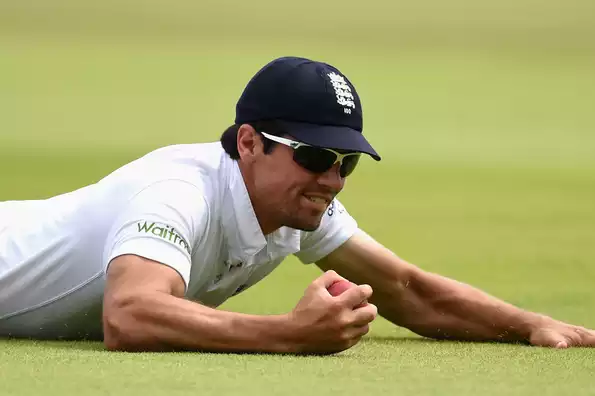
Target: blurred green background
<point>491,83</point>
<point>483,111</point>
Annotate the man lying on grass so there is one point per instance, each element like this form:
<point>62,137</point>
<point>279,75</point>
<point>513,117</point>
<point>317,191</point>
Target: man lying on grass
<point>142,258</point>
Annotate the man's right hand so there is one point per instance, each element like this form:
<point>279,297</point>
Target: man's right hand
<point>327,324</point>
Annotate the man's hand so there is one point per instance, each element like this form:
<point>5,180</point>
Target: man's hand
<point>558,334</point>
<point>327,324</point>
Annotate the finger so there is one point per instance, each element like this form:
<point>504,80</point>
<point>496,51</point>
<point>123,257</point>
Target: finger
<point>561,345</point>
<point>585,337</point>
<point>578,336</point>
<point>327,279</point>
<point>365,314</point>
<point>589,339</point>
<point>355,295</point>
<point>357,332</point>
<point>350,342</point>
<point>548,338</point>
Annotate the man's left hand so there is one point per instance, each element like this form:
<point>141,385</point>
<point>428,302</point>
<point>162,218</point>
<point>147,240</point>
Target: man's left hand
<point>556,334</point>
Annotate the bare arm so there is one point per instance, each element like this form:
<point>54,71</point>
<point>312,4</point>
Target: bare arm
<point>144,310</point>
<point>435,306</point>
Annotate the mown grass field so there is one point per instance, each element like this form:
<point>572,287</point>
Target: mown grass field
<point>483,113</point>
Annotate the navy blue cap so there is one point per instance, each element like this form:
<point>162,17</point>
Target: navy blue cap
<point>312,101</point>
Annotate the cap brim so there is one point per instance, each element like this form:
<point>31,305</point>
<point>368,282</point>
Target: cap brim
<point>329,136</point>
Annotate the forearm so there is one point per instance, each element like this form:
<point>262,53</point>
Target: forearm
<point>158,321</point>
<point>438,307</point>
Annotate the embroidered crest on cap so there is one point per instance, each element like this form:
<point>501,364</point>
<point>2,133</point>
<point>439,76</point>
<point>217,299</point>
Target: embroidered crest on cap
<point>343,91</point>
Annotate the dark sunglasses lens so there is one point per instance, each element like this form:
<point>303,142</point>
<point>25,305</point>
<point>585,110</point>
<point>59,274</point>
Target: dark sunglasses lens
<point>348,165</point>
<point>314,159</point>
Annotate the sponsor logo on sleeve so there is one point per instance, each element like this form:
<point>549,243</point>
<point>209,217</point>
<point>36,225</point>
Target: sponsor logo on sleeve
<point>163,231</point>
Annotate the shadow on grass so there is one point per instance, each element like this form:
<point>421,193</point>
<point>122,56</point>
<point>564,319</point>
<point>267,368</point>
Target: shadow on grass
<point>413,340</point>
<point>396,340</point>
<point>95,346</point>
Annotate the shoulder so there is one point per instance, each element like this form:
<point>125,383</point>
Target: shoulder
<point>180,167</point>
<point>193,162</point>
<point>176,185</point>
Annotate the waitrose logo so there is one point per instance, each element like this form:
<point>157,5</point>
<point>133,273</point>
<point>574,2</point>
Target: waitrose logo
<point>164,231</point>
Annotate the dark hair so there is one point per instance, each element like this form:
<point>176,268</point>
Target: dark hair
<point>229,138</point>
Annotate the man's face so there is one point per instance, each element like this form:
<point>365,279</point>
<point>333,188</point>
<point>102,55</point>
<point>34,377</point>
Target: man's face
<point>285,194</point>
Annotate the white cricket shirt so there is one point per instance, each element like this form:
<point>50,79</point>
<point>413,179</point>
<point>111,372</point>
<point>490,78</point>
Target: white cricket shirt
<point>185,206</point>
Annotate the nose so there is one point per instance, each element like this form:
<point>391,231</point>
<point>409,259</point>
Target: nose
<point>332,179</point>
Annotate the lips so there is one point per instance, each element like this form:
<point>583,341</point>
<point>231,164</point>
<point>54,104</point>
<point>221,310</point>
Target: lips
<point>319,199</point>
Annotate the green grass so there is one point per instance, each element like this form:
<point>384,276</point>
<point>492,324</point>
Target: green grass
<point>483,113</point>
<point>376,366</point>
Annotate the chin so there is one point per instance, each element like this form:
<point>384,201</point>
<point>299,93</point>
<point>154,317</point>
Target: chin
<point>301,224</point>
<point>309,228</point>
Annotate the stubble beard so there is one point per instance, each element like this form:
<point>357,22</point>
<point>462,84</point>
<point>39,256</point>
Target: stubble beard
<point>303,223</point>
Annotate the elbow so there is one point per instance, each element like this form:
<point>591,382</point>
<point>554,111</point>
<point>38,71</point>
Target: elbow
<point>122,328</point>
<point>116,333</point>
<point>115,337</point>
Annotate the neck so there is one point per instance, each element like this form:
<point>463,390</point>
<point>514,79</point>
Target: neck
<point>267,225</point>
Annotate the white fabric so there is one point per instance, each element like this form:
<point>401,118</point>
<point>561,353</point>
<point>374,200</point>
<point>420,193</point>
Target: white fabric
<point>185,206</point>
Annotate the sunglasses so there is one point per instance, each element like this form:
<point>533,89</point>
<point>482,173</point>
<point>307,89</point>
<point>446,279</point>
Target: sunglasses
<point>317,159</point>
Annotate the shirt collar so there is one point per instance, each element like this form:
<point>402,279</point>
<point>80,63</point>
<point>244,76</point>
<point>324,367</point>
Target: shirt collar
<point>241,228</point>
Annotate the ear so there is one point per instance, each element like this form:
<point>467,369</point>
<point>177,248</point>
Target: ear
<point>249,143</point>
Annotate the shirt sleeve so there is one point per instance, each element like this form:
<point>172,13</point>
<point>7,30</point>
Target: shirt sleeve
<point>336,227</point>
<point>163,223</point>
